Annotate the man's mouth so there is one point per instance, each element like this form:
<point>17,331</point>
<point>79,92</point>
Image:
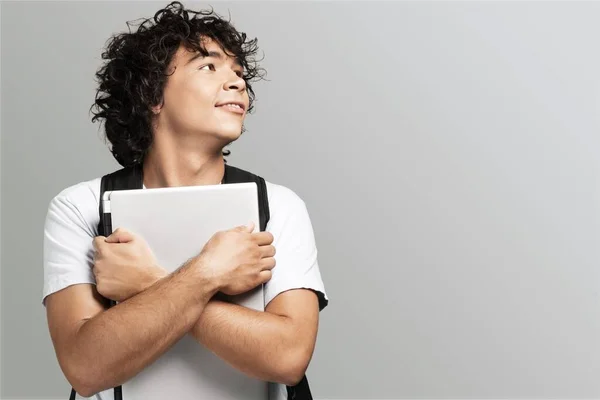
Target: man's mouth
<point>233,107</point>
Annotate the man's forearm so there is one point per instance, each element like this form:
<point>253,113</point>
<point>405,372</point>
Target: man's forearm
<point>260,344</point>
<point>116,344</point>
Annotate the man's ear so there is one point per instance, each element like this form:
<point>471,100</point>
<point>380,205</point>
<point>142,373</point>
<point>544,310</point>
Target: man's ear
<point>156,108</point>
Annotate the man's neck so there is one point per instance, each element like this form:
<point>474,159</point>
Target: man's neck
<point>170,169</point>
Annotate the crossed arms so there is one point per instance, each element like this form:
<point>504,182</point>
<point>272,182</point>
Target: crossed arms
<point>99,348</point>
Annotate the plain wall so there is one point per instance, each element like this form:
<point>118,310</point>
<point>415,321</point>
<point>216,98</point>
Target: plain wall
<point>448,156</point>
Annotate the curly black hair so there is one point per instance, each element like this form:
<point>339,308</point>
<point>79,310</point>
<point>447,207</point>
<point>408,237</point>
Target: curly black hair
<point>132,79</point>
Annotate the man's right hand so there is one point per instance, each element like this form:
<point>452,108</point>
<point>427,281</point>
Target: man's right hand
<point>238,260</point>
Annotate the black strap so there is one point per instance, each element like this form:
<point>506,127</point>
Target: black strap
<point>132,178</point>
<point>123,179</point>
<point>301,391</point>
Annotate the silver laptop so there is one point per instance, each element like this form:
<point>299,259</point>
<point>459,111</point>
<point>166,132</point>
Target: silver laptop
<point>176,223</point>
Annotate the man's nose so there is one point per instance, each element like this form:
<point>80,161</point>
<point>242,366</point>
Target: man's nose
<point>235,83</point>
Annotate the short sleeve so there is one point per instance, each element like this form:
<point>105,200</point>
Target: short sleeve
<point>296,251</point>
<point>68,241</point>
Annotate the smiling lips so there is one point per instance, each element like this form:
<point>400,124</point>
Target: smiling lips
<point>236,108</point>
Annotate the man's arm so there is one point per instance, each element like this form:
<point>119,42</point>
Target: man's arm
<point>274,346</point>
<point>99,349</point>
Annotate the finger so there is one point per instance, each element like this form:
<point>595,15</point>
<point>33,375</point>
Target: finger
<point>267,264</point>
<point>120,236</point>
<point>268,251</point>
<point>98,241</point>
<point>249,227</point>
<point>263,238</point>
<point>95,271</point>
<point>99,247</point>
<point>265,276</point>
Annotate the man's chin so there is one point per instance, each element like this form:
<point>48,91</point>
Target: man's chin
<point>232,134</point>
<point>229,136</point>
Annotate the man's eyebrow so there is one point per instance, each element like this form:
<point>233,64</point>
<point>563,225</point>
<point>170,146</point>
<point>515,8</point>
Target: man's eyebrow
<point>214,54</point>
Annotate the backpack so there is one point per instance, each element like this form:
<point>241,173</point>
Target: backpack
<point>132,178</point>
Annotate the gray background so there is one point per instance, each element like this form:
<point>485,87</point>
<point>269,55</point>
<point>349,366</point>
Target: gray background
<point>447,153</point>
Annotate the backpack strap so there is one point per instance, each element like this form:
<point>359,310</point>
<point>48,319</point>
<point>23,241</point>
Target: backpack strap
<point>123,179</point>
<point>301,391</point>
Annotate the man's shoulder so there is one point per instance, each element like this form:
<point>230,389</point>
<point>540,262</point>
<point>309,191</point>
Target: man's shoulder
<point>83,191</point>
<point>282,197</point>
<point>79,200</point>
<point>288,211</point>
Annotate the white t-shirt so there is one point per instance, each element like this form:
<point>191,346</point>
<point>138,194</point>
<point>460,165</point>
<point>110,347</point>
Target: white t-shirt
<point>72,223</point>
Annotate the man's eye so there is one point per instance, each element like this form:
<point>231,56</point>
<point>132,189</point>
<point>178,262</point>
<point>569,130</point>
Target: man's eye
<point>210,66</point>
<point>240,74</point>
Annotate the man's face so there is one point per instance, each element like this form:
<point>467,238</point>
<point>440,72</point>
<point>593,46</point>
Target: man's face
<point>205,96</point>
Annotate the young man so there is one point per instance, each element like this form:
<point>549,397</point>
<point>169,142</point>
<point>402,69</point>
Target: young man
<point>172,95</point>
